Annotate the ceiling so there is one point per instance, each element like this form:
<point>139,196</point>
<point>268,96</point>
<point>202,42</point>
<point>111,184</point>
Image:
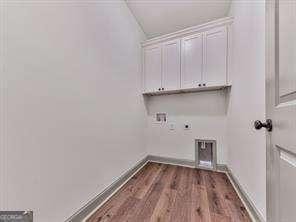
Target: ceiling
<point>158,17</point>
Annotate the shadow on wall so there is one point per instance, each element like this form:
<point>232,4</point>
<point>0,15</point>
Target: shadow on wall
<point>210,103</point>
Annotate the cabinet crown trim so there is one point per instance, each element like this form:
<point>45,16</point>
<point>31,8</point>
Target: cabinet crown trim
<point>188,31</point>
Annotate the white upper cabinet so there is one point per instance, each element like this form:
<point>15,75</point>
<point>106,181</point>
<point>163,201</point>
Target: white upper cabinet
<point>215,57</point>
<point>171,60</point>
<point>192,61</point>
<point>152,68</point>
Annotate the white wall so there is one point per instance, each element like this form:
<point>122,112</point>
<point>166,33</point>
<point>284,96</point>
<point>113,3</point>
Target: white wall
<point>74,111</point>
<point>204,111</point>
<point>246,146</point>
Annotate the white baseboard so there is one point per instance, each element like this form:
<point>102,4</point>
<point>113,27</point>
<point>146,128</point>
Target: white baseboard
<point>255,214</point>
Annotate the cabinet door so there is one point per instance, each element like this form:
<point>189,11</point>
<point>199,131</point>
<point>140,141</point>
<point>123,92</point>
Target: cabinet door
<point>215,57</point>
<point>192,61</point>
<point>152,68</point>
<point>171,65</point>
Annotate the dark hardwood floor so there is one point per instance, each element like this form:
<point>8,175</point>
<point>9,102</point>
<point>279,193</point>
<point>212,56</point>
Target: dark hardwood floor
<point>167,193</point>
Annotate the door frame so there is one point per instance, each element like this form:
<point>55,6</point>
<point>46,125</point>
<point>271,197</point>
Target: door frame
<point>270,11</point>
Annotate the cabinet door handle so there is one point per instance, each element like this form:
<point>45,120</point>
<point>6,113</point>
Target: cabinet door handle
<point>204,84</point>
<point>159,89</point>
<point>199,85</point>
<point>162,88</point>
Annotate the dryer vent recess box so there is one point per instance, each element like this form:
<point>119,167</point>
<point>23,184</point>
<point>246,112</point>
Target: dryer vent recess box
<point>205,154</point>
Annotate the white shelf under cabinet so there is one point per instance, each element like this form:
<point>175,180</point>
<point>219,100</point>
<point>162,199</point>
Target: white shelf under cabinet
<point>190,90</point>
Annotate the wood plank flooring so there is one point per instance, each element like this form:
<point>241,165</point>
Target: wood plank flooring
<point>167,193</point>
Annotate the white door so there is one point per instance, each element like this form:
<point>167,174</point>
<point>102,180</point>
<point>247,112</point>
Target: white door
<point>192,61</point>
<point>281,108</point>
<point>152,68</point>
<point>215,57</point>
<point>171,55</point>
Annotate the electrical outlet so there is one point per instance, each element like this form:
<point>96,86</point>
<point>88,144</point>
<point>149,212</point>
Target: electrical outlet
<point>172,126</point>
<point>187,126</point>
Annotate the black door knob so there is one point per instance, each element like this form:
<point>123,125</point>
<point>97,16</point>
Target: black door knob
<point>268,125</point>
<point>199,84</point>
<point>204,84</point>
<point>159,89</point>
<point>162,88</point>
